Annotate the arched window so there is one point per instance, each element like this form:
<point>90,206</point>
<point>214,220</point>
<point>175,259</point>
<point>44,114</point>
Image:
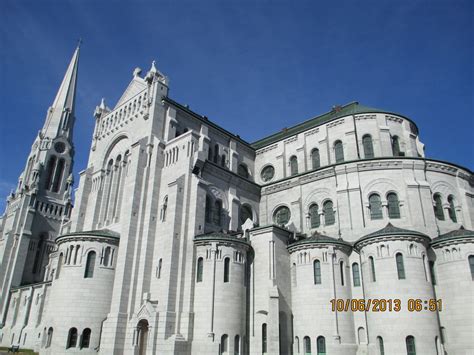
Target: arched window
<point>243,171</point>
<point>432,272</point>
<point>158,269</point>
<point>72,338</point>
<point>264,338</point>
<point>226,269</point>
<point>237,345</point>
<point>217,212</point>
<point>199,269</point>
<point>355,274</point>
<point>339,151</point>
<point>315,159</point>
<point>471,265</point>
<point>307,345</point>
<point>341,267</point>
<point>245,213</point>
<point>372,268</point>
<point>85,338</point>
<point>375,206</point>
<point>438,207</point>
<point>297,345</point>
<point>380,345</point>
<point>49,339</point>
<point>410,341</point>
<point>400,266</point>
<point>209,154</point>
<point>106,256</point>
<point>39,253</point>
<point>393,205</point>
<point>315,219</point>
<point>361,335</point>
<point>281,216</point>
<point>90,264</point>
<point>224,344</point>
<point>58,175</point>
<point>49,172</point>
<point>452,210</point>
<point>223,163</point>
<point>329,218</point>
<point>208,209</point>
<point>321,345</point>
<point>317,272</point>
<point>395,146</point>
<point>293,165</point>
<point>368,146</point>
<point>60,263</point>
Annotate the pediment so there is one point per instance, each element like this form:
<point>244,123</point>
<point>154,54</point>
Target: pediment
<point>146,311</point>
<point>136,86</point>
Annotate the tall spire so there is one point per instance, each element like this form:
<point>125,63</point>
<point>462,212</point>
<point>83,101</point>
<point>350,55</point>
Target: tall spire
<point>60,116</point>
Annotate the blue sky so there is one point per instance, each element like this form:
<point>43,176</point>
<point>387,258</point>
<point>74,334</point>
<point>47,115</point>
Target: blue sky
<point>253,67</point>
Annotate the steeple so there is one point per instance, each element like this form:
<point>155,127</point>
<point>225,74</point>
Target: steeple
<point>60,117</point>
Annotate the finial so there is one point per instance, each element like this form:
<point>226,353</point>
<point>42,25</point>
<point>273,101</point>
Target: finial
<point>102,104</point>
<point>79,42</point>
<point>153,67</point>
<point>136,72</point>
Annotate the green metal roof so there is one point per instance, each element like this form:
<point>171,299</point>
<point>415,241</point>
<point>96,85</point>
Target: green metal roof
<point>353,108</point>
<point>317,238</point>
<point>95,233</point>
<point>457,234</point>
<point>228,237</point>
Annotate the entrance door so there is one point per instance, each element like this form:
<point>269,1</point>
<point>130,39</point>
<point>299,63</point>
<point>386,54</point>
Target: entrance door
<point>142,336</point>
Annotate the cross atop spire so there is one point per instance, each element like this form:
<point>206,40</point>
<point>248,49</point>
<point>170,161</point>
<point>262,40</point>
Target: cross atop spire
<point>60,116</point>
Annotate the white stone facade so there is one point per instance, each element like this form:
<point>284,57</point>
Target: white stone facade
<point>185,239</point>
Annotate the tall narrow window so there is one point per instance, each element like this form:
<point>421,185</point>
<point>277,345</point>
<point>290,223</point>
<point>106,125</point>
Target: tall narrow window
<point>380,345</point>
<point>293,165</point>
<point>209,154</point>
<point>321,345</point>
<point>375,206</point>
<point>341,267</point>
<point>314,216</point>
<point>164,208</point>
<point>223,162</point>
<point>400,266</point>
<point>329,218</point>
<point>355,274</point>
<point>395,146</point>
<point>368,146</point>
<point>199,269</point>
<point>90,265</point>
<point>158,270</point>
<point>317,272</point>
<point>224,344</point>
<point>71,338</point>
<point>217,212</point>
<point>438,207</point>
<point>208,209</point>
<point>452,210</point>
<point>106,260</point>
<point>226,269</point>
<point>216,153</point>
<point>49,172</point>
<point>245,213</point>
<point>471,265</point>
<point>237,345</point>
<point>393,205</point>
<point>307,345</point>
<point>58,175</point>
<point>85,338</point>
<point>372,268</point>
<point>264,338</point>
<point>339,152</point>
<point>49,339</point>
<point>432,272</point>
<point>410,341</point>
<point>60,264</point>
<point>293,275</point>
<point>297,345</point>
<point>315,159</point>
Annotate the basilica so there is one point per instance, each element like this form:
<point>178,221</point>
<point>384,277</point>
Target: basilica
<point>334,236</point>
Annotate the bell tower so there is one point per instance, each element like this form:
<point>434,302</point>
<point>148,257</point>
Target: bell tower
<point>41,202</point>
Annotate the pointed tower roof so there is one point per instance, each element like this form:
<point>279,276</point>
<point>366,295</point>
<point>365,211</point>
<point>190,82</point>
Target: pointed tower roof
<point>61,112</point>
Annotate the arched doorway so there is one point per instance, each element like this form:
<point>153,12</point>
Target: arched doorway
<point>142,336</point>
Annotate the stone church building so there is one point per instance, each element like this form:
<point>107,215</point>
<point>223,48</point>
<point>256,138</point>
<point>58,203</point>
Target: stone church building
<point>334,236</point>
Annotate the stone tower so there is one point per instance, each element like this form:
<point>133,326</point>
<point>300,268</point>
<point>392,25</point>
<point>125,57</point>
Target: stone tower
<point>42,200</point>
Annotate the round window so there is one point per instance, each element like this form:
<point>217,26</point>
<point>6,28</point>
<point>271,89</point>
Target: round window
<point>281,215</point>
<point>267,173</point>
<point>59,147</point>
